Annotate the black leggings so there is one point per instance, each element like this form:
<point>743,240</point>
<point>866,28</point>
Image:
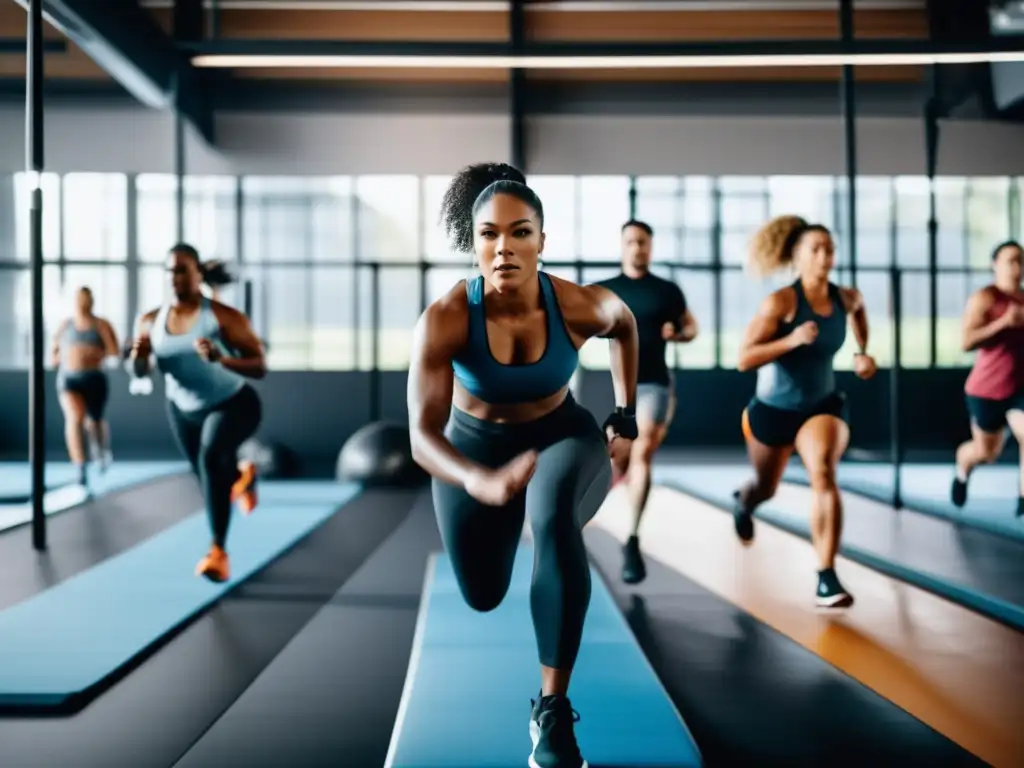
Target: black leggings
<point>210,440</point>
<point>572,479</point>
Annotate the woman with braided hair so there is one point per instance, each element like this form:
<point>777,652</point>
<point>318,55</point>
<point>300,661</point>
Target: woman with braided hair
<point>492,420</point>
<point>791,342</point>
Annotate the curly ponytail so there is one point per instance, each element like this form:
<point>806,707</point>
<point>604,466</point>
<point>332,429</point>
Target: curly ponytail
<point>473,187</point>
<point>771,247</point>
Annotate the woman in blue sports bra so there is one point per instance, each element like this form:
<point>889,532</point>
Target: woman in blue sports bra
<point>206,351</point>
<point>492,420</point>
<point>791,342</point>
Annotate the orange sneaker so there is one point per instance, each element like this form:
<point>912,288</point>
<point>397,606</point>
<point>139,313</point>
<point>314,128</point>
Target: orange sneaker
<point>215,566</point>
<point>243,492</point>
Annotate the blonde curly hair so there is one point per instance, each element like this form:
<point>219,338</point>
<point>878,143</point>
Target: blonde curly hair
<point>771,247</point>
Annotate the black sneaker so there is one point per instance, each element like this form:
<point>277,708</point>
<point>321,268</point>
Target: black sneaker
<point>1020,507</point>
<point>633,568</point>
<point>551,730</point>
<point>958,493</point>
<point>832,594</point>
<point>742,520</point>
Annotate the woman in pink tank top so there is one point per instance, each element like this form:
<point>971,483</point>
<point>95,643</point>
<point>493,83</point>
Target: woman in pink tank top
<point>994,326</point>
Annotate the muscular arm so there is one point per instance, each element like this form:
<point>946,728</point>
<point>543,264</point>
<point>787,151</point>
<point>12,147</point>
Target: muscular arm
<point>976,330</point>
<point>237,333</point>
<point>429,396</point>
<point>688,328</point>
<point>614,321</point>
<point>757,347</point>
<point>858,314</point>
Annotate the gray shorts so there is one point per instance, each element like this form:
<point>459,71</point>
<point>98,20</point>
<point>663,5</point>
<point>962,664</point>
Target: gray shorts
<point>655,403</point>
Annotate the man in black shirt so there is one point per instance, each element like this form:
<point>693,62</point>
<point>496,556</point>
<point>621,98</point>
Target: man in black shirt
<point>659,307</point>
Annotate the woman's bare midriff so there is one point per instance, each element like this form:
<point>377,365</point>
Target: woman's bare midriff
<point>513,413</point>
<point>83,357</point>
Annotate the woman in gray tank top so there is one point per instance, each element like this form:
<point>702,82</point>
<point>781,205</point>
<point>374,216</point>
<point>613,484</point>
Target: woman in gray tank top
<point>791,343</point>
<point>206,352</point>
<point>81,344</point>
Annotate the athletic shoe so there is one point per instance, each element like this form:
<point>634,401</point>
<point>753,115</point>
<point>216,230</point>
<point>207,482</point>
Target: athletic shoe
<point>743,521</point>
<point>1020,507</point>
<point>633,568</point>
<point>215,566</point>
<point>958,492</point>
<point>551,730</point>
<point>243,492</point>
<point>832,594</point>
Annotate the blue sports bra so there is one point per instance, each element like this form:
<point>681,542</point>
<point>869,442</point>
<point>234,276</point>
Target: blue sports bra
<point>492,382</point>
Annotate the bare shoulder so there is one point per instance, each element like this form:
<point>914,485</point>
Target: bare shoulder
<point>444,324</point>
<point>853,299</point>
<point>983,298</point>
<point>573,297</point>
<point>779,304</point>
<point>227,314</point>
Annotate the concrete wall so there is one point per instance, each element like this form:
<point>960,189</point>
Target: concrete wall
<point>118,139</point>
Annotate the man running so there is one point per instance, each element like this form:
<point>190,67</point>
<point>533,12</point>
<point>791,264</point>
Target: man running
<point>659,307</point>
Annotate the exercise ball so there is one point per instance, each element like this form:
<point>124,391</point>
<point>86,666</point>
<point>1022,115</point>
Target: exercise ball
<point>379,454</point>
<point>271,459</point>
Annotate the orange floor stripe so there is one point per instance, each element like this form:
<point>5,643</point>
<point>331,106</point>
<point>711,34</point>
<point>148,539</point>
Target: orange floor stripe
<point>959,672</point>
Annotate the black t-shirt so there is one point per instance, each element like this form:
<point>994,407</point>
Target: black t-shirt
<point>653,301</point>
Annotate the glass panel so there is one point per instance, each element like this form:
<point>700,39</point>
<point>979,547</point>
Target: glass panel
<point>211,216</point>
<point>436,247</point>
<point>16,323</point>
<point>295,219</point>
<point>561,204</point>
<point>912,210</point>
<point>95,216</point>
<point>604,208</point>
<point>156,211</point>
<point>331,335</point>
<point>915,347</point>
<point>950,208</point>
<point>388,218</point>
<point>988,218</point>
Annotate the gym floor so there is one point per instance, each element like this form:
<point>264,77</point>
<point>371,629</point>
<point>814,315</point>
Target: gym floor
<point>305,661</point>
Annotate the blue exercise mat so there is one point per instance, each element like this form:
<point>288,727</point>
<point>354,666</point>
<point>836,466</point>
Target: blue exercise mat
<point>471,676</point>
<point>16,477</point>
<point>991,502</point>
<point>72,637</point>
<point>715,485</point>
<point>118,477</point>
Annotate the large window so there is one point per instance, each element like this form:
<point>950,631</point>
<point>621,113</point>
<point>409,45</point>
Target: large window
<point>306,247</point>
<point>95,211</point>
<point>604,208</point>
<point>390,218</point>
<point>743,208</point>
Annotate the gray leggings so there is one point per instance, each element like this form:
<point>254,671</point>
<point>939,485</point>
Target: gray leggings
<point>572,479</point>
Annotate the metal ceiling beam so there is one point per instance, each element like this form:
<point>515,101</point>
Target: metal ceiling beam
<point>125,40</point>
<point>16,45</point>
<point>363,48</point>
